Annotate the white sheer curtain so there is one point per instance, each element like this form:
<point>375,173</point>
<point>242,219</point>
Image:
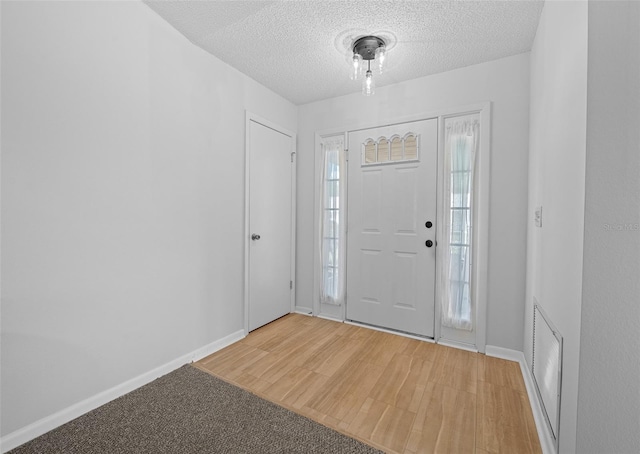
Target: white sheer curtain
<point>332,225</point>
<point>461,146</point>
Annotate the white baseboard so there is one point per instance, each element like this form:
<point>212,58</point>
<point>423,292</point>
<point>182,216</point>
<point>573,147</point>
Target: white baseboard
<point>44,425</point>
<point>546,440</point>
<point>303,310</point>
<point>505,353</point>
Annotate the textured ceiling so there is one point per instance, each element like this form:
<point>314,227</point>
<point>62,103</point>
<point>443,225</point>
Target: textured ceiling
<point>300,49</point>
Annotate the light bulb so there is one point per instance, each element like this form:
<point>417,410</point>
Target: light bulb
<point>368,84</point>
<point>381,55</point>
<point>356,69</point>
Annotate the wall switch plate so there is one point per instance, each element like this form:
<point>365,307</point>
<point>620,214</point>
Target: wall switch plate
<point>538,216</point>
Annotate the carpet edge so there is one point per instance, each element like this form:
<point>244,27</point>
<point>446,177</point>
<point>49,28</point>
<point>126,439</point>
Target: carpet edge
<point>374,445</point>
<point>42,426</point>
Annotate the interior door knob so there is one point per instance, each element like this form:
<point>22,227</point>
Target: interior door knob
<point>428,243</point>
<point>255,237</point>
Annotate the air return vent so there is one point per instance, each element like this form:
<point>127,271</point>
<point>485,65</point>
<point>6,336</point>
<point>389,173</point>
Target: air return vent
<point>547,367</point>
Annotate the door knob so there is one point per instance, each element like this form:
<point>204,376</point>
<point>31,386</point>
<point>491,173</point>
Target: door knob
<point>255,237</point>
<point>428,243</point>
<point>428,224</point>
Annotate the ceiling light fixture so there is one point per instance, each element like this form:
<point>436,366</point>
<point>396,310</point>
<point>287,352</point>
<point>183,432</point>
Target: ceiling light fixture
<point>368,49</point>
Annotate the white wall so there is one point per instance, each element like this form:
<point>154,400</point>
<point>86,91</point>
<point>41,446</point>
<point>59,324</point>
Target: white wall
<point>609,393</point>
<point>505,83</point>
<point>557,182</point>
<point>122,199</point>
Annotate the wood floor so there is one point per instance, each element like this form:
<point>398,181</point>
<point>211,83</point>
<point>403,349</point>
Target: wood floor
<point>397,394</point>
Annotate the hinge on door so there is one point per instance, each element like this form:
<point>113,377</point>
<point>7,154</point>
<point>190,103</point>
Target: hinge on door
<point>291,285</point>
<point>293,153</point>
<point>346,154</point>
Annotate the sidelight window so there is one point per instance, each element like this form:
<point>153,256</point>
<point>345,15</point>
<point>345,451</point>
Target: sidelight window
<point>461,143</point>
<point>332,228</point>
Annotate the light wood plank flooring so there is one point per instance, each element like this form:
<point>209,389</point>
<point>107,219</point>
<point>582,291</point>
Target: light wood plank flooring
<point>397,394</point>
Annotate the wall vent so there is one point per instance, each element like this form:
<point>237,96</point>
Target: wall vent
<point>546,368</point>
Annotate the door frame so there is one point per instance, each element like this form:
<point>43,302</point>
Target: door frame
<point>249,117</point>
<point>481,233</point>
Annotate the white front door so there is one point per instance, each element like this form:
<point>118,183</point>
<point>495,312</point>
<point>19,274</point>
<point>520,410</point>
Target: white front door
<point>391,251</point>
<point>270,165</point>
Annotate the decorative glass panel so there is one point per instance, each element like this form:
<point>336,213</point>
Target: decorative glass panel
<point>411,147</point>
<point>370,155</point>
<point>383,150</point>
<point>396,149</point>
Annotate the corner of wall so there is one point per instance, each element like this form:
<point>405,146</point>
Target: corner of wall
<point>557,152</point>
<point>544,435</point>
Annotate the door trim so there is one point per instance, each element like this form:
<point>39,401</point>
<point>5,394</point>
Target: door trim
<point>480,272</point>
<point>249,117</point>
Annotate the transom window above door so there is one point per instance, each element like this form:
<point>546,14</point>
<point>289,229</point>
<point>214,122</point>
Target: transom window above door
<point>392,149</point>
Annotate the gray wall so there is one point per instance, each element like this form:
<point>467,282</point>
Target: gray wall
<point>557,150</point>
<point>609,389</point>
<point>584,169</point>
<point>122,199</point>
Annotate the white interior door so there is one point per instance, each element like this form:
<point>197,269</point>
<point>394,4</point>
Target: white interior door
<point>270,220</point>
<point>391,255</point>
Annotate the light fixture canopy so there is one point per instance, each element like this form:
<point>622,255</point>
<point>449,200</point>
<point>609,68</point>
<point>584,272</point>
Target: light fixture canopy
<point>368,49</point>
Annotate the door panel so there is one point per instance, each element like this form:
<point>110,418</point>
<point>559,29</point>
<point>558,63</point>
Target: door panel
<point>371,206</point>
<point>404,279</point>
<point>371,261</point>
<point>270,211</point>
<point>404,209</point>
<point>390,271</point>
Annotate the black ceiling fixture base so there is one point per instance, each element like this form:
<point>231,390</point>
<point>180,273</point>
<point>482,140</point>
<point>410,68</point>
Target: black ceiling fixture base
<point>367,45</point>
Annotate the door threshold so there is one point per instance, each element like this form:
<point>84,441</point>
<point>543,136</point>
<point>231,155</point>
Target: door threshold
<point>391,331</point>
<point>459,345</point>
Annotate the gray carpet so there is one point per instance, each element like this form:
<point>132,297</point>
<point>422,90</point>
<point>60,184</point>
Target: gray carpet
<point>190,411</point>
